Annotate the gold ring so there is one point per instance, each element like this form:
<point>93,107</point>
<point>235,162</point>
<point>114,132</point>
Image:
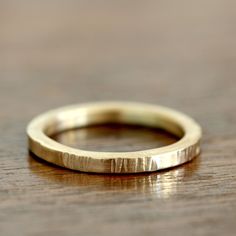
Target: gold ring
<point>44,126</point>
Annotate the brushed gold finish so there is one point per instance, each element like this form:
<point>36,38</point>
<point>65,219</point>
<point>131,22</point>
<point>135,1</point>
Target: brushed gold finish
<point>44,126</point>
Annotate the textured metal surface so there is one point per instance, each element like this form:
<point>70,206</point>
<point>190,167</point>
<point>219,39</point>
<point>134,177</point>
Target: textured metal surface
<point>42,127</point>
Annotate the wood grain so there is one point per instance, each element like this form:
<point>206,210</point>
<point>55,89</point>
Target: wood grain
<point>180,54</point>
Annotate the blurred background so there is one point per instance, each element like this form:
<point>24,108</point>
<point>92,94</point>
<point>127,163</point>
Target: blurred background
<point>176,53</point>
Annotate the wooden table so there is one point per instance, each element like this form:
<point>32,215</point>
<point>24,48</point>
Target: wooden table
<point>181,54</point>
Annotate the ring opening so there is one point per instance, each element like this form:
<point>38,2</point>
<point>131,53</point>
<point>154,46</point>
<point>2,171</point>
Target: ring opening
<point>82,119</point>
<point>115,138</point>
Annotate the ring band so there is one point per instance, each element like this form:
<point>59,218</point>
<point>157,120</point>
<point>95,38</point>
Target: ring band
<point>43,127</point>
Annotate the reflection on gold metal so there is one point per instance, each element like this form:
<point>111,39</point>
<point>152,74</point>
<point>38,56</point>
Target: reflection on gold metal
<point>162,184</point>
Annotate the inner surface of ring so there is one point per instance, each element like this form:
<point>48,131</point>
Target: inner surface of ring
<point>86,118</point>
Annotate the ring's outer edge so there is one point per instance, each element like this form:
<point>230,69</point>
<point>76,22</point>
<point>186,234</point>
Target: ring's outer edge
<point>115,162</point>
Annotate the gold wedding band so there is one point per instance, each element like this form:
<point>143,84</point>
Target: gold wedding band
<point>43,127</point>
